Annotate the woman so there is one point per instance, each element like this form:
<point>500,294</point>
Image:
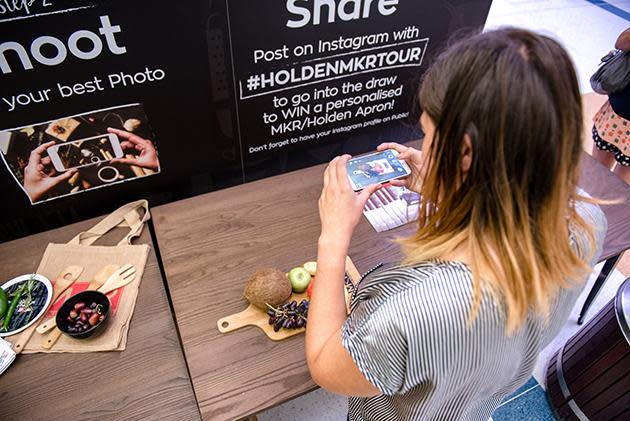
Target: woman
<point>502,249</point>
<point>611,128</point>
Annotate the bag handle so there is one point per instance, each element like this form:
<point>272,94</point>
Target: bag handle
<point>126,216</point>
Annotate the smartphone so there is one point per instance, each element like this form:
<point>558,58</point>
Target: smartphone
<point>83,152</point>
<point>376,168</point>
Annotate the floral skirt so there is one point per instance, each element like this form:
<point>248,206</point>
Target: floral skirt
<point>612,133</point>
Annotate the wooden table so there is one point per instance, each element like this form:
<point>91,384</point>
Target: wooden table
<point>601,183</point>
<point>148,380</point>
<point>211,244</point>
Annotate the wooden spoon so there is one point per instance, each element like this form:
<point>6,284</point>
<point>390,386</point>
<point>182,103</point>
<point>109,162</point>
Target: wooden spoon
<point>45,326</point>
<point>99,279</point>
<point>62,283</point>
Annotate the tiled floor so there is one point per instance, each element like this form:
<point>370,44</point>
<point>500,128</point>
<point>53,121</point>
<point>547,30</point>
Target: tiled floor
<point>527,403</point>
<point>588,29</point>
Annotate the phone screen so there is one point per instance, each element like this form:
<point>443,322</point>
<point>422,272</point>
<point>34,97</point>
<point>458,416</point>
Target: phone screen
<point>86,151</point>
<point>376,168</point>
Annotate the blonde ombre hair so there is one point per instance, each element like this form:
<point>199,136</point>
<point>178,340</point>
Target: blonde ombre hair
<point>515,94</point>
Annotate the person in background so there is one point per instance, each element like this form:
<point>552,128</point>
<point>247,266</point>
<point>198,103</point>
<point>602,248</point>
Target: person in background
<point>611,125</point>
<point>503,247</point>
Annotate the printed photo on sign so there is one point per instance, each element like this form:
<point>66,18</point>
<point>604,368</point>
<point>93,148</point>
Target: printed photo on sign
<point>78,153</point>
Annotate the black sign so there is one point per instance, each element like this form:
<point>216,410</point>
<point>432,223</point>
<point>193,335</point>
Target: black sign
<point>188,97</point>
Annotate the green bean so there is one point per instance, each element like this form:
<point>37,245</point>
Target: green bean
<point>16,296</point>
<point>14,303</point>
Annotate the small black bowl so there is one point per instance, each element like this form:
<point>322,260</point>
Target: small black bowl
<point>86,297</point>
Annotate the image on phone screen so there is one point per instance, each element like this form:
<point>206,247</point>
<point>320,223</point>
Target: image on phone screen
<point>88,151</point>
<point>376,168</point>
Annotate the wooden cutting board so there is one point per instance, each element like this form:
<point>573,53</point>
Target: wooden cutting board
<point>253,316</point>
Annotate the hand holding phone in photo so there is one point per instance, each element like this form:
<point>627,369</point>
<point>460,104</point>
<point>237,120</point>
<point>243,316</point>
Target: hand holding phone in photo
<point>39,176</point>
<point>86,154</point>
<point>376,168</point>
<point>89,151</point>
<point>137,151</point>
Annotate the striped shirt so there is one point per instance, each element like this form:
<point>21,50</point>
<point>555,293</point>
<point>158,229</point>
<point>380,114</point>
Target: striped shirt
<point>409,336</point>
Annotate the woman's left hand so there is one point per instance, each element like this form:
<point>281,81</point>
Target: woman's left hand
<point>340,208</point>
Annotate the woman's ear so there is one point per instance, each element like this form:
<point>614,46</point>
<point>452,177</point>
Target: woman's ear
<point>467,154</point>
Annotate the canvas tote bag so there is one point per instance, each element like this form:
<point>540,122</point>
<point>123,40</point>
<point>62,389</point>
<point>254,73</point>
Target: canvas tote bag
<point>81,251</point>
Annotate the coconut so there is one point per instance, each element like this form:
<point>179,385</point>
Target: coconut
<point>267,286</point>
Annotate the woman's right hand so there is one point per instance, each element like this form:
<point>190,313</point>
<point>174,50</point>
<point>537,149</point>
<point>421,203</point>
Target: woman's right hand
<point>414,158</point>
